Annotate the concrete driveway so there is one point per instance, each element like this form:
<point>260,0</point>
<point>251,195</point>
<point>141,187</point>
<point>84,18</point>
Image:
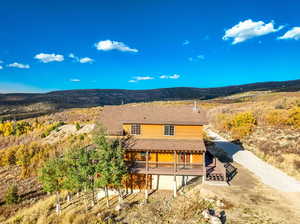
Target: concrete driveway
<point>268,174</point>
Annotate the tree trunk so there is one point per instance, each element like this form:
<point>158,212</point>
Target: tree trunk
<point>93,197</point>
<point>85,199</point>
<point>120,196</point>
<point>107,197</point>
<point>68,197</point>
<point>57,209</point>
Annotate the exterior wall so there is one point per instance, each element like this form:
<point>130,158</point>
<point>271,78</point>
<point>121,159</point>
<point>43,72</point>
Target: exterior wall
<point>162,157</point>
<point>138,181</point>
<point>197,158</point>
<point>165,157</point>
<point>157,131</point>
<point>166,182</point>
<point>160,182</point>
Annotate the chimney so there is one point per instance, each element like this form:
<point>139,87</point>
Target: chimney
<point>195,106</point>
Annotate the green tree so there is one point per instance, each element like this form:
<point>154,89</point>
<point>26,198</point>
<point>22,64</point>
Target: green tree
<point>111,167</point>
<point>52,176</point>
<point>81,172</point>
<point>118,166</point>
<point>11,195</point>
<point>78,126</point>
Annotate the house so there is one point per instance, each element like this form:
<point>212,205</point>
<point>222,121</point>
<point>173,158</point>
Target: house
<point>166,148</point>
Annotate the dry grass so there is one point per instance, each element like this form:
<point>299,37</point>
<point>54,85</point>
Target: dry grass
<point>275,137</point>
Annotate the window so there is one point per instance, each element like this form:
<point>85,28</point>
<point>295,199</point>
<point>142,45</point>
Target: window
<point>135,129</point>
<point>169,130</point>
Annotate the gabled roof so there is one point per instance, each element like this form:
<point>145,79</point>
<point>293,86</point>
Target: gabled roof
<point>165,145</point>
<point>113,117</point>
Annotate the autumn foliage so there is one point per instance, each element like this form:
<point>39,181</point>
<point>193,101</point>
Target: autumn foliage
<point>239,125</point>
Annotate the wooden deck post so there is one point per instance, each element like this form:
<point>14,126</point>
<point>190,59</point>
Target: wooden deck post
<point>147,168</point>
<point>175,169</point>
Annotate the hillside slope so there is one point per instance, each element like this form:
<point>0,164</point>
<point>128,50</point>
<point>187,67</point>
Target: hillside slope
<point>29,105</point>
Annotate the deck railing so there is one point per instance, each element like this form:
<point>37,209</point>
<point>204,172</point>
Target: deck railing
<point>164,165</point>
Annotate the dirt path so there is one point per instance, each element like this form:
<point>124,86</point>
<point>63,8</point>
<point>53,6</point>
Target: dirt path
<point>268,174</point>
<point>255,202</point>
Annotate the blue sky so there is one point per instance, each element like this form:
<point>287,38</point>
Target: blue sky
<point>56,45</point>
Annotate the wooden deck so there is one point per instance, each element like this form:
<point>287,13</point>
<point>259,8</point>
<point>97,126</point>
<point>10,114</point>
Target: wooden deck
<point>164,168</point>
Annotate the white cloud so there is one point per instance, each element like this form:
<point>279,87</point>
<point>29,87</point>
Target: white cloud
<point>163,77</point>
<point>71,55</point>
<point>201,57</point>
<point>74,80</point>
<point>140,78</point>
<point>108,45</point>
<point>197,58</point>
<point>248,29</point>
<point>1,67</point>
<point>18,65</point>
<point>175,76</point>
<point>143,78</point>
<point>46,58</point>
<point>186,42</point>
<point>294,33</point>
<point>81,60</point>
<point>86,60</point>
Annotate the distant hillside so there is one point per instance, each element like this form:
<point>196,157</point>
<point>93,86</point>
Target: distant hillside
<point>39,103</point>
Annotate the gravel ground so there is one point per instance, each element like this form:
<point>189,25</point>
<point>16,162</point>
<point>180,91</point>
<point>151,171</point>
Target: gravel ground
<point>268,174</point>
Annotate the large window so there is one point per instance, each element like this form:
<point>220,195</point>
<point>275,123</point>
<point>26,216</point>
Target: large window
<point>135,129</point>
<point>169,130</point>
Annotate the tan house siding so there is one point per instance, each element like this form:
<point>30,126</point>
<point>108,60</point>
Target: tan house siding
<point>195,158</point>
<point>157,131</point>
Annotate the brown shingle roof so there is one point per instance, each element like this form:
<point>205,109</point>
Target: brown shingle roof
<point>166,145</point>
<point>113,117</point>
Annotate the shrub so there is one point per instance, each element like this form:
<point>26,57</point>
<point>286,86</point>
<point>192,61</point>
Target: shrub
<point>294,117</point>
<point>10,157</point>
<point>78,126</point>
<point>279,118</point>
<point>239,125</point>
<point>11,195</point>
<point>297,164</point>
<point>15,128</point>
<point>52,127</point>
<point>276,118</point>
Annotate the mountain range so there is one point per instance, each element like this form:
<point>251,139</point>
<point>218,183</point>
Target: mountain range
<point>22,103</point>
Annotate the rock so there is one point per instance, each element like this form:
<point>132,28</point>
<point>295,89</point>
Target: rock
<point>219,204</point>
<point>118,208</point>
<point>121,206</point>
<point>214,220</point>
<point>206,214</point>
